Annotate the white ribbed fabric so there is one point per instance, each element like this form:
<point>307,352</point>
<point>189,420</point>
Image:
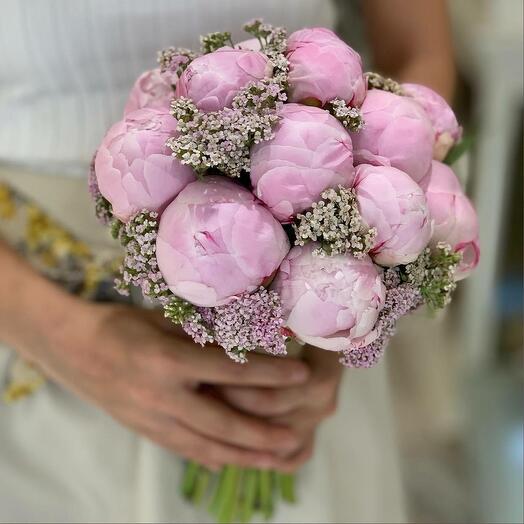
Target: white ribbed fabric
<point>67,66</point>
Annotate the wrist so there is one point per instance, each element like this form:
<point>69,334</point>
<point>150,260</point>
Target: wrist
<point>31,307</point>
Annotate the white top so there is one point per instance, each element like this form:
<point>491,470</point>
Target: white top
<point>67,66</point>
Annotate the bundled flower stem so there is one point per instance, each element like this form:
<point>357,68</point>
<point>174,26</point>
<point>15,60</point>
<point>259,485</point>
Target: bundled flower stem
<point>239,492</point>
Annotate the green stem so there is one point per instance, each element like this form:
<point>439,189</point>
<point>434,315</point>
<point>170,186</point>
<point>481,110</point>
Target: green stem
<point>189,479</point>
<point>228,495</point>
<point>201,485</point>
<point>287,487</point>
<point>265,486</point>
<point>249,495</point>
<point>217,495</point>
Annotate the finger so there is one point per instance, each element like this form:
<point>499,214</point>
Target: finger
<point>293,463</point>
<point>323,362</point>
<point>303,420</point>
<point>264,402</point>
<point>213,418</point>
<point>212,365</point>
<point>203,450</point>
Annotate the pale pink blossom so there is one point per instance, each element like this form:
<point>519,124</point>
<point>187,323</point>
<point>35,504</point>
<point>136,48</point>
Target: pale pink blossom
<point>211,81</point>
<point>152,90</point>
<point>397,132</point>
<point>455,219</point>
<point>330,302</point>
<point>447,129</point>
<point>322,67</point>
<point>391,202</point>
<point>310,152</point>
<point>134,168</point>
<point>216,241</point>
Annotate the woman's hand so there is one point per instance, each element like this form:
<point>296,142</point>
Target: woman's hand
<point>131,364</point>
<point>301,407</point>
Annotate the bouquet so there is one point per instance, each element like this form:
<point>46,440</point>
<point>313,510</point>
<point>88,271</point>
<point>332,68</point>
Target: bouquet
<point>270,190</point>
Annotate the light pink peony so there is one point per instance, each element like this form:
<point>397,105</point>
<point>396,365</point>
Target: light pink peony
<point>447,129</point>
<point>311,151</point>
<point>396,132</point>
<point>134,168</point>
<point>454,217</point>
<point>151,90</point>
<point>330,302</point>
<point>323,67</point>
<point>216,241</point>
<point>211,81</point>
<point>390,201</point>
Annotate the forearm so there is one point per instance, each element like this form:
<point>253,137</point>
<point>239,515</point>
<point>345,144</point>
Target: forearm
<point>439,74</point>
<point>412,42</point>
<point>29,304</point>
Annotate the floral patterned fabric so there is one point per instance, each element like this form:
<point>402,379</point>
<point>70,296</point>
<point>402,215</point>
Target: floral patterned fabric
<point>57,254</point>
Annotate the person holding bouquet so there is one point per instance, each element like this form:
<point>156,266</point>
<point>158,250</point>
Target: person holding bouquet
<point>129,396</point>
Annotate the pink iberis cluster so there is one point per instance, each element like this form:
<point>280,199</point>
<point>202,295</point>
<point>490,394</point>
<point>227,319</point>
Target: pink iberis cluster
<point>271,189</point>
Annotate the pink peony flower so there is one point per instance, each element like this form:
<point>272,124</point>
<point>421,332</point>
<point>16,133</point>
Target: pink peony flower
<point>152,90</point>
<point>390,201</point>
<point>216,241</point>
<point>135,169</point>
<point>447,129</point>
<point>323,67</point>
<point>330,302</point>
<point>211,81</point>
<point>396,132</point>
<point>454,217</point>
<point>310,152</point>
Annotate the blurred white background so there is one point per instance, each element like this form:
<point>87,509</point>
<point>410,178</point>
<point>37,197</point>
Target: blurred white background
<point>458,382</point>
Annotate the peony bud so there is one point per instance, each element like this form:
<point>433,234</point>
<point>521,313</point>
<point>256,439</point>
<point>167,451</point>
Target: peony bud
<point>134,168</point>
<point>211,81</point>
<point>310,152</point>
<point>152,90</point>
<point>396,132</point>
<point>445,125</point>
<point>216,241</point>
<point>323,67</point>
<point>454,217</point>
<point>395,206</point>
<point>330,302</point>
